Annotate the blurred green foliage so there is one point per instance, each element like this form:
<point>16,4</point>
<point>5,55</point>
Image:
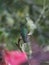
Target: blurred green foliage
<point>14,12</point>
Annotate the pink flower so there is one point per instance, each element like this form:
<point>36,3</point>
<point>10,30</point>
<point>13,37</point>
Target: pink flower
<point>15,57</point>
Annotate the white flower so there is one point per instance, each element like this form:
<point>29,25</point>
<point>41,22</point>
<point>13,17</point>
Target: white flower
<point>31,25</point>
<point>46,48</point>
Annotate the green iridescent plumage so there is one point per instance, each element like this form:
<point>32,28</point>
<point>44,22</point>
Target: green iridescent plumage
<point>24,32</point>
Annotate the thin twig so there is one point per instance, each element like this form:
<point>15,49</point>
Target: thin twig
<point>42,12</point>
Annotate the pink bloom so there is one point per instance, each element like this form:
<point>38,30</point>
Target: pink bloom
<point>15,57</point>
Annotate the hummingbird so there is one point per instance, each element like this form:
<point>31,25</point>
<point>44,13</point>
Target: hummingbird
<point>23,32</point>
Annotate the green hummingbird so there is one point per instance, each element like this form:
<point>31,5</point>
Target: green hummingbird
<point>25,36</point>
<point>23,32</point>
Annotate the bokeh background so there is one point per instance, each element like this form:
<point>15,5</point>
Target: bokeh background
<point>27,16</point>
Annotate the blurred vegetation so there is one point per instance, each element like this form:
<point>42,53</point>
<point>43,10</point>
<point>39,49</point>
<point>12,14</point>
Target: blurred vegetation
<point>34,14</point>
